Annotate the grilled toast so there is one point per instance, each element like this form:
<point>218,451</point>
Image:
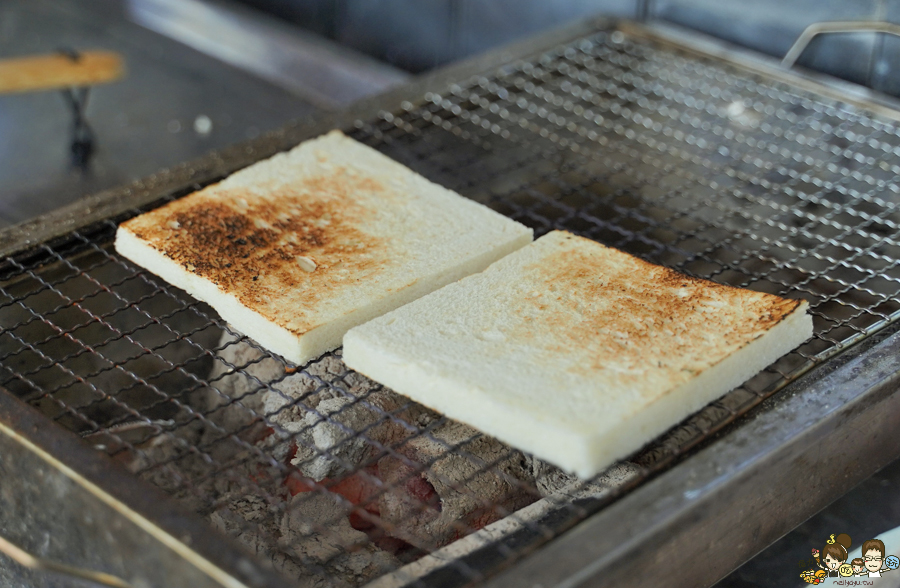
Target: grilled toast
<point>296,249</point>
<point>576,352</point>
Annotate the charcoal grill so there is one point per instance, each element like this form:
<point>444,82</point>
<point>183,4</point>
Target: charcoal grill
<point>121,441</point>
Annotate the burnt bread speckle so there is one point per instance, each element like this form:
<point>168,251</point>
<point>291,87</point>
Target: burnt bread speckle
<point>620,306</point>
<point>576,352</point>
<point>295,250</point>
<point>253,246</point>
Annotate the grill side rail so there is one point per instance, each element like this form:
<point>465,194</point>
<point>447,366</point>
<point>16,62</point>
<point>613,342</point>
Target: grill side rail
<point>68,503</point>
<point>800,450</point>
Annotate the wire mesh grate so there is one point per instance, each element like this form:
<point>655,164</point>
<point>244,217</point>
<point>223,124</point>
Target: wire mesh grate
<point>683,161</point>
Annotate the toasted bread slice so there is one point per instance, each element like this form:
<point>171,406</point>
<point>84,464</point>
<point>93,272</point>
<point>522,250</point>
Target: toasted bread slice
<point>575,352</point>
<point>295,250</point>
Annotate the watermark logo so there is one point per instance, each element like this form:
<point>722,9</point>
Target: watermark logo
<point>830,563</point>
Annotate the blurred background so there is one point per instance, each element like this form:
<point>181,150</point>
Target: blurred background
<point>205,74</point>
<point>202,74</point>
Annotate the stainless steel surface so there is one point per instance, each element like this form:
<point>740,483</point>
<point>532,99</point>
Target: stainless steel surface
<point>837,90</point>
<point>319,71</point>
<point>821,28</point>
<point>84,513</point>
<point>174,104</point>
<point>771,27</point>
<point>721,166</point>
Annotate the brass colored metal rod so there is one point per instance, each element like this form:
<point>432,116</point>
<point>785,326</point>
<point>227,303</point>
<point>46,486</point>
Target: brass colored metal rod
<point>31,562</point>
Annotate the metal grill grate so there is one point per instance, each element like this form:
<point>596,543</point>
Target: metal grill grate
<point>680,160</point>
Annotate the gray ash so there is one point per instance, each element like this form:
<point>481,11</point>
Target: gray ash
<point>330,476</point>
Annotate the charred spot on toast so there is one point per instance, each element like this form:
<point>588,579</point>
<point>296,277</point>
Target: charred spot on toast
<point>306,238</point>
<point>621,309</point>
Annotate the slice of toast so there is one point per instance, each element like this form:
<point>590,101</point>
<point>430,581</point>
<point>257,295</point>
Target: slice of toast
<point>576,352</point>
<point>296,249</point>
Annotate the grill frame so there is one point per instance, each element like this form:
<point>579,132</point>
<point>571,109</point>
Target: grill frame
<point>791,433</point>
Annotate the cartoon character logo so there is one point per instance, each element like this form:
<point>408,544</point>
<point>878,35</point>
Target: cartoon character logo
<point>874,555</point>
<point>834,554</point>
<point>832,560</point>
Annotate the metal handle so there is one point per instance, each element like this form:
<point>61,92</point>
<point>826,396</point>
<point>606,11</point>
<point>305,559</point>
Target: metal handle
<point>838,26</point>
<point>29,561</point>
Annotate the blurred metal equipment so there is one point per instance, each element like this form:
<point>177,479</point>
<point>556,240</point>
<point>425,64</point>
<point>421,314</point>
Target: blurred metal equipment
<point>73,73</point>
<point>80,513</point>
<point>175,104</point>
<point>643,10</point>
<point>315,69</point>
<point>821,28</point>
<point>420,36</point>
